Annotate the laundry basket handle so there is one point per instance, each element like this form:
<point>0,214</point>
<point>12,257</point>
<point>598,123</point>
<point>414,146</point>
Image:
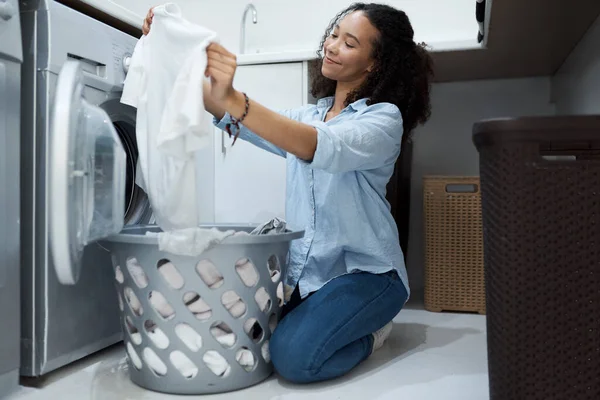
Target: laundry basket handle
<point>462,188</point>
<point>570,150</point>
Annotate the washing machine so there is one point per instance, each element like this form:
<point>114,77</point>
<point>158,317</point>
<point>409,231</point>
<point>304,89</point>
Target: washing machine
<point>78,166</point>
<point>10,81</point>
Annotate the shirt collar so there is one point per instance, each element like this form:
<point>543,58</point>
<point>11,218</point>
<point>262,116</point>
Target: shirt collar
<point>327,102</point>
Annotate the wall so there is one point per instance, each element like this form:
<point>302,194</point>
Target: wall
<point>576,86</point>
<point>444,145</point>
<point>286,24</point>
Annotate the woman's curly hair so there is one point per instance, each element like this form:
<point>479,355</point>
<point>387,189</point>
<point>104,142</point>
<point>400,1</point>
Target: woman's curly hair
<point>403,69</point>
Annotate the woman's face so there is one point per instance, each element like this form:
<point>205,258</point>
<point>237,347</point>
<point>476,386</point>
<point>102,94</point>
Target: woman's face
<point>348,49</point>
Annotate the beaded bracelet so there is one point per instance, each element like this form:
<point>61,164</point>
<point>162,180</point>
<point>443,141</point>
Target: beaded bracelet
<point>236,122</point>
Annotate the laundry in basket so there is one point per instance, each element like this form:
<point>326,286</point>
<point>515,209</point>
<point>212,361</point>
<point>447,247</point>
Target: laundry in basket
<point>195,241</point>
<point>200,324</point>
<point>168,241</point>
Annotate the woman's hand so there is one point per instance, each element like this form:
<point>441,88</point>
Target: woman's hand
<point>148,22</point>
<point>220,68</point>
<point>299,139</point>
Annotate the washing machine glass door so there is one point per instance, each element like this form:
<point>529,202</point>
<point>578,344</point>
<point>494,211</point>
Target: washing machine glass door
<point>87,175</point>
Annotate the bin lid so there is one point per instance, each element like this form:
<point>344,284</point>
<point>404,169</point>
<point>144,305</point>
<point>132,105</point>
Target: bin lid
<point>572,128</point>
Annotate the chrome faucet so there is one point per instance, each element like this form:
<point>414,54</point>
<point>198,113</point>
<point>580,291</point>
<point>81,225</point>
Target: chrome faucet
<point>243,27</point>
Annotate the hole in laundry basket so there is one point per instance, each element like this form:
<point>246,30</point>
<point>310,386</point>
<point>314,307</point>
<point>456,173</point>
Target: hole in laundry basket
<point>189,336</point>
<point>263,300</point>
<point>133,301</point>
<point>209,274</point>
<point>273,322</point>
<point>197,306</point>
<point>170,274</point>
<point>161,305</point>
<point>121,305</point>
<point>154,362</point>
<point>134,333</point>
<point>233,303</point>
<point>137,272</point>
<point>274,268</point>
<point>253,329</point>
<point>217,363</point>
<point>156,334</point>
<point>183,364</point>
<point>246,359</point>
<point>266,352</point>
<point>247,272</point>
<point>133,356</point>
<point>223,334</point>
<point>119,277</point>
<point>280,294</point>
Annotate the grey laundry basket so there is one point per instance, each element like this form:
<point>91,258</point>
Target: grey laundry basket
<point>168,339</point>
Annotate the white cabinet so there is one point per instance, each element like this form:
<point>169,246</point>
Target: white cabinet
<point>250,182</point>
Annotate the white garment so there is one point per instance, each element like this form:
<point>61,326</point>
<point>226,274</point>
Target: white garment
<point>197,306</point>
<point>247,272</point>
<point>189,337</point>
<point>266,351</point>
<point>232,302</point>
<point>213,360</point>
<point>133,302</point>
<point>171,275</point>
<point>190,241</point>
<point>161,305</point>
<point>164,83</point>
<point>137,272</point>
<point>186,366</point>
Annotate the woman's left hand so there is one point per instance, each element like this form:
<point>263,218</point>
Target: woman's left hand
<point>221,67</point>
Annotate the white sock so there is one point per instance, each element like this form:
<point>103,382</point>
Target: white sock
<point>380,336</point>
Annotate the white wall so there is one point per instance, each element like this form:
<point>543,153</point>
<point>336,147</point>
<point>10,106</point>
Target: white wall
<point>576,86</point>
<point>287,24</point>
<point>444,145</point>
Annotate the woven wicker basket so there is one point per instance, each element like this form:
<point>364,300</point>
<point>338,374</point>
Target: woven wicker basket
<point>454,274</point>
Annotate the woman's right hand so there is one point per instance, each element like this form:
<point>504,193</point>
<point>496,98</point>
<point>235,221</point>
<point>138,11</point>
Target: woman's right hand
<point>210,105</point>
<point>148,22</point>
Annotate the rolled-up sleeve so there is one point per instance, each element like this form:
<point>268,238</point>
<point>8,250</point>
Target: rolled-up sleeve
<point>251,137</point>
<point>369,141</point>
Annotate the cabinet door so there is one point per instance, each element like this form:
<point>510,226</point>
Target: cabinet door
<point>250,182</point>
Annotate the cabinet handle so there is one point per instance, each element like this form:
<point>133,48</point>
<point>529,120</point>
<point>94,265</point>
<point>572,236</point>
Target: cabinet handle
<point>223,148</point>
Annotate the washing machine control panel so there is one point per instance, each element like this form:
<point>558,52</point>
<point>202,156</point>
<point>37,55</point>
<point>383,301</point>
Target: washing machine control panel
<point>126,63</point>
<point>122,51</point>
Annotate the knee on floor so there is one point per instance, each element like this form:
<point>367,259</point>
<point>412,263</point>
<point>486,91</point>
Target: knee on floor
<point>291,358</point>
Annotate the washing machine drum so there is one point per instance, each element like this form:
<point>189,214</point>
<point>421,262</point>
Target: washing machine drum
<point>137,205</point>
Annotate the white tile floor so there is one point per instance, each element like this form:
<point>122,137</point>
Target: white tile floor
<point>429,356</point>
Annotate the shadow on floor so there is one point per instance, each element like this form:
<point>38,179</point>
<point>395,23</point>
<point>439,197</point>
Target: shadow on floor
<point>405,340</point>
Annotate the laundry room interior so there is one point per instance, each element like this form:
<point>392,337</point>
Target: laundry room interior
<point>189,185</point>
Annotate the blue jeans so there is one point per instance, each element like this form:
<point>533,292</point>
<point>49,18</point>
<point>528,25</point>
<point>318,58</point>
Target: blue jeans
<point>328,333</point>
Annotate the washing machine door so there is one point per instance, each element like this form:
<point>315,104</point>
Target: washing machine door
<point>87,175</point>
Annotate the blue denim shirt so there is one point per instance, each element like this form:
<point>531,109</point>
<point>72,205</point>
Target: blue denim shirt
<point>339,197</point>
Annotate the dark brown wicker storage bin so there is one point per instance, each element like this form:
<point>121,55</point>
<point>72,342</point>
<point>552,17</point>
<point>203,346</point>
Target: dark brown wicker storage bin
<point>540,182</point>
<point>454,279</point>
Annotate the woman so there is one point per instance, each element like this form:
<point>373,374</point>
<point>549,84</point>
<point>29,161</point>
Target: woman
<point>348,271</point>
